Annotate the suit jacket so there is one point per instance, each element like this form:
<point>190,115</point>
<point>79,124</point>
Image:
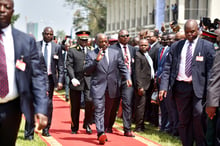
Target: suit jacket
<point>213,92</point>
<point>105,75</point>
<point>75,63</point>
<point>142,71</point>
<point>154,54</point>
<point>132,51</point>
<point>31,83</point>
<point>57,64</point>
<point>200,69</point>
<point>160,63</point>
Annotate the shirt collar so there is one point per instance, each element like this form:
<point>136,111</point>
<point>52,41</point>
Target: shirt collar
<point>7,30</point>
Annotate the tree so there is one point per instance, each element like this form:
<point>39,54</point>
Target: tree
<point>14,18</point>
<point>96,9</point>
<point>60,34</point>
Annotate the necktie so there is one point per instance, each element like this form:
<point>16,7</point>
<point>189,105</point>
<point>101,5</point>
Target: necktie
<point>188,64</point>
<point>3,70</point>
<point>104,57</point>
<point>161,54</point>
<point>126,59</point>
<point>45,53</point>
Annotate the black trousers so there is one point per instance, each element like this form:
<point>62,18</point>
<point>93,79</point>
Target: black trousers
<point>190,112</point>
<point>75,99</point>
<point>50,102</point>
<point>10,118</point>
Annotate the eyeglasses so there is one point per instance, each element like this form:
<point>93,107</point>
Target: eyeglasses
<point>123,36</point>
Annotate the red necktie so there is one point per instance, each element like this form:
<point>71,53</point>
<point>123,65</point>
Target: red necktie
<point>126,59</point>
<point>3,70</point>
<point>161,54</point>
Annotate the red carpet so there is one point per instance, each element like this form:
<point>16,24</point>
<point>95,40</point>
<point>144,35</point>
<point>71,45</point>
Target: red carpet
<point>60,130</point>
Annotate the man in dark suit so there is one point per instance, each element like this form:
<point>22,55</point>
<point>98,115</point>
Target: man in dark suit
<point>127,93</point>
<point>144,82</point>
<point>103,64</point>
<point>55,69</point>
<point>79,83</point>
<point>186,72</point>
<point>213,100</point>
<point>21,77</point>
<point>151,108</point>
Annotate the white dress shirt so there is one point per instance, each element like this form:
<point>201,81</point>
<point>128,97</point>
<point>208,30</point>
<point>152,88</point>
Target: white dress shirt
<point>10,61</point>
<point>49,48</point>
<point>181,75</point>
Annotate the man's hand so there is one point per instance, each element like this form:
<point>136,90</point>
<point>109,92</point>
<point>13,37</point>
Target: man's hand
<point>59,86</point>
<point>129,83</point>
<point>162,94</point>
<point>100,55</point>
<point>211,111</point>
<point>41,120</point>
<point>141,91</point>
<point>75,82</point>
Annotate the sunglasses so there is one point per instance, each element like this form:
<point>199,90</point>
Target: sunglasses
<point>123,36</point>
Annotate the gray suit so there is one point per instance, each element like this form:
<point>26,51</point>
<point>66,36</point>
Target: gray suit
<point>104,81</point>
<point>213,99</point>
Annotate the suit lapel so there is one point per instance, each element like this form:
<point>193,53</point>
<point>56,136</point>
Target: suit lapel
<point>197,49</point>
<point>16,45</point>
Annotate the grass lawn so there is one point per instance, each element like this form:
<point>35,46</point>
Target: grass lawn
<point>21,142</point>
<point>151,133</point>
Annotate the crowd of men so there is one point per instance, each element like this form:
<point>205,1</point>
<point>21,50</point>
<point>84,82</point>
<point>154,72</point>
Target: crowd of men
<point>176,71</point>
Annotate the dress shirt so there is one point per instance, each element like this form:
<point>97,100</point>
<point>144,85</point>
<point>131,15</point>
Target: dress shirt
<point>49,48</point>
<point>10,61</point>
<point>151,64</point>
<point>128,53</point>
<point>181,75</point>
<point>106,54</point>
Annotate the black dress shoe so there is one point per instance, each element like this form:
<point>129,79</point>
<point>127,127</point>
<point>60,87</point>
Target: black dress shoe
<point>46,133</point>
<point>88,129</point>
<point>129,134</point>
<point>29,137</point>
<point>74,132</point>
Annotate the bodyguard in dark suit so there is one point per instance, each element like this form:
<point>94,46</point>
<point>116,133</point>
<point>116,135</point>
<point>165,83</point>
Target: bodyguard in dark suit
<point>22,82</point>
<point>55,69</point>
<point>186,72</point>
<point>213,99</point>
<point>80,83</point>
<point>144,82</point>
<point>127,93</point>
<point>103,64</point>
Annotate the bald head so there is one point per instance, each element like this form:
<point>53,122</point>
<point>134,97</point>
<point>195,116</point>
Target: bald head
<point>102,40</point>
<point>191,30</point>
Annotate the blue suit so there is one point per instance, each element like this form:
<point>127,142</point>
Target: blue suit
<point>189,96</point>
<point>31,85</point>
<point>104,82</point>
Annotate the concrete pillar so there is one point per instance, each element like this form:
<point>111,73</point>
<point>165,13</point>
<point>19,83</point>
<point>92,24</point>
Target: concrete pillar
<point>160,9</point>
<point>213,9</point>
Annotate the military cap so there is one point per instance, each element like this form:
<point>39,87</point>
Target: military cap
<point>83,34</point>
<point>209,34</point>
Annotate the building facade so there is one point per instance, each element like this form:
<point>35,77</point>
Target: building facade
<point>135,15</point>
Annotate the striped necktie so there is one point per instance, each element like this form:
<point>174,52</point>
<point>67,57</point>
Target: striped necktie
<point>188,64</point>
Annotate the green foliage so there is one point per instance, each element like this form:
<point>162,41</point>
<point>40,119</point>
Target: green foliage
<point>60,34</point>
<point>14,18</point>
<point>21,142</point>
<point>96,14</point>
